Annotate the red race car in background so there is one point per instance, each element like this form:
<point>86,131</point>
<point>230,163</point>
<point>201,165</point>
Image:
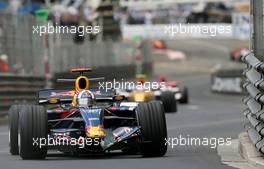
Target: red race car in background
<point>236,54</point>
<point>159,44</point>
<point>181,93</point>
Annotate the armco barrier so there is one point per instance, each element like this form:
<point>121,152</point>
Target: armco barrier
<point>18,89</point>
<point>254,85</point>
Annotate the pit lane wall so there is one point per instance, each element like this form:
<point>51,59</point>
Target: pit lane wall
<point>254,101</point>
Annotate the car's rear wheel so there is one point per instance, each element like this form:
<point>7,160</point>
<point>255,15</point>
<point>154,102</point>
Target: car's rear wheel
<point>151,119</point>
<point>169,101</point>
<point>13,118</point>
<point>185,96</point>
<point>33,126</point>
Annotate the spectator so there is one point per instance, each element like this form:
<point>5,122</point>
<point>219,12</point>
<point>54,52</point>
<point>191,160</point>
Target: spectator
<point>4,64</point>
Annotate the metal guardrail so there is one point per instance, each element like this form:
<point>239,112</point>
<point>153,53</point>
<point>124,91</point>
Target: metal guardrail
<point>254,113</point>
<point>18,89</point>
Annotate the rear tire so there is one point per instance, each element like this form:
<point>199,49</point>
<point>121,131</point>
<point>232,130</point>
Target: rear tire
<point>151,119</point>
<point>13,118</point>
<point>33,124</point>
<point>185,96</point>
<point>169,101</point>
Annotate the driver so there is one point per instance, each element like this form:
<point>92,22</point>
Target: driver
<point>84,98</point>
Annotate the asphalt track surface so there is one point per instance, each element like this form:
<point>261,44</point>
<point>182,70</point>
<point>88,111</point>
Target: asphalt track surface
<point>207,115</point>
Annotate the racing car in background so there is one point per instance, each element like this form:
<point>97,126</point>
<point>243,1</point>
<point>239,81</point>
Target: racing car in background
<point>159,44</point>
<point>86,120</point>
<point>236,54</point>
<point>181,94</point>
<point>141,94</point>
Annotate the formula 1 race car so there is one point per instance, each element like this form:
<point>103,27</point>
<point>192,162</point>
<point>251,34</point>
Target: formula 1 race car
<point>236,54</point>
<point>181,94</point>
<point>145,94</point>
<point>159,44</point>
<point>85,121</point>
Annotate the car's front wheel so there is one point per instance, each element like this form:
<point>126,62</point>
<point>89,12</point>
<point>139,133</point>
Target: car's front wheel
<point>13,118</point>
<point>33,130</point>
<point>151,119</point>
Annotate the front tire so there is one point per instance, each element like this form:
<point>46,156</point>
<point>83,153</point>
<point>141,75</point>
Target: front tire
<point>33,125</point>
<point>151,119</point>
<point>13,119</point>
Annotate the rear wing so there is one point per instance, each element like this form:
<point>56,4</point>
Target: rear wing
<point>54,96</point>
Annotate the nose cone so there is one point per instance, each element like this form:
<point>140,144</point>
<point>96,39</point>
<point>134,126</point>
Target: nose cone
<point>140,97</point>
<point>95,132</point>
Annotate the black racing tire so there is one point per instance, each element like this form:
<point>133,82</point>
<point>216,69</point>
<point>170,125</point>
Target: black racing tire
<point>13,118</point>
<point>151,119</point>
<point>185,96</point>
<point>169,102</point>
<point>33,124</point>
<point>130,151</point>
<point>232,58</point>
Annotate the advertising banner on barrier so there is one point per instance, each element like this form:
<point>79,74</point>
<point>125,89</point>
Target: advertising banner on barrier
<point>241,25</point>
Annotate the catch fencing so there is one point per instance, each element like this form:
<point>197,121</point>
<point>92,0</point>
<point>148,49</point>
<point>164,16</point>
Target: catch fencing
<point>32,54</point>
<point>254,113</point>
<point>23,50</point>
<point>94,54</point>
<point>33,58</point>
<point>254,74</point>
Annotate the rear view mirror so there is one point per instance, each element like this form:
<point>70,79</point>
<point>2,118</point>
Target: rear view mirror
<point>118,98</point>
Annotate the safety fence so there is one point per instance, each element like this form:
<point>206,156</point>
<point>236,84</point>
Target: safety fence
<point>254,85</point>
<point>107,53</point>
<point>24,52</point>
<point>29,53</point>
<point>16,89</point>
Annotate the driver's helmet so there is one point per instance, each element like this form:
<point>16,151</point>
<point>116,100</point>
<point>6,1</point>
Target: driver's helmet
<point>162,78</point>
<point>141,78</point>
<point>85,98</point>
